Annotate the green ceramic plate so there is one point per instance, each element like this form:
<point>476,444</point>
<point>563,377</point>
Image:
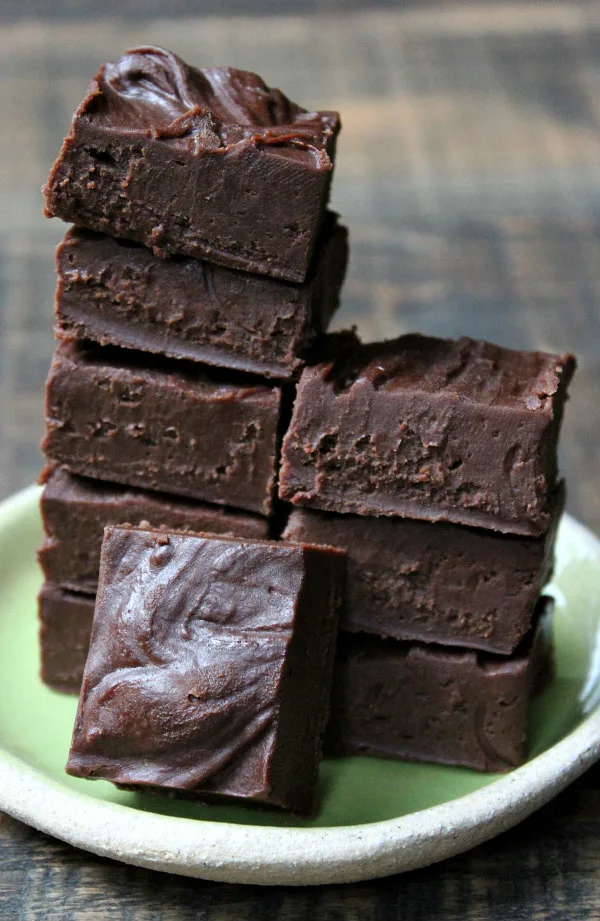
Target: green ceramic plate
<point>376,816</point>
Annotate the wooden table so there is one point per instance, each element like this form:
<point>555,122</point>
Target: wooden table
<point>469,175</point>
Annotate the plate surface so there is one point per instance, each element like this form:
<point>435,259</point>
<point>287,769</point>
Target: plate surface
<point>377,817</point>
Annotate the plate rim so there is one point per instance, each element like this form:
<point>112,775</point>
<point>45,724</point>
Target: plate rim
<point>229,852</point>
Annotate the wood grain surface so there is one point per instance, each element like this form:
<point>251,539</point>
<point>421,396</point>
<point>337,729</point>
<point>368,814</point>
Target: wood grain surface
<point>469,176</point>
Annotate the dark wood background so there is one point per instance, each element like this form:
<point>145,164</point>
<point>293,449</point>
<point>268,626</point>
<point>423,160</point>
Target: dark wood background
<point>469,175</point>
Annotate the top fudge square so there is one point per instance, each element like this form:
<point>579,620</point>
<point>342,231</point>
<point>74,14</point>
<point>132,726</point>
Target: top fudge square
<point>440,430</point>
<point>209,163</point>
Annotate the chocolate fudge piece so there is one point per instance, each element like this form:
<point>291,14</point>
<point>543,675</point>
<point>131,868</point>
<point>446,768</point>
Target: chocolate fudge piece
<point>438,583</point>
<point>159,425</point>
<point>209,163</point>
<point>429,428</point>
<point>429,703</point>
<point>75,512</point>
<point>209,667</point>
<point>65,627</point>
<point>118,293</point>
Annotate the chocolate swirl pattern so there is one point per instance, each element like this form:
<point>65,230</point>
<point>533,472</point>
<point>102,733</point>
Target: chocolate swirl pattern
<point>153,91</point>
<point>181,663</point>
<point>200,658</point>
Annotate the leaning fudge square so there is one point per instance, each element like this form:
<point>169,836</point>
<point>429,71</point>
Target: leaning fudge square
<point>435,582</point>
<point>209,667</point>
<point>418,427</point>
<point>172,427</point>
<point>75,511</point>
<point>432,703</point>
<point>116,292</point>
<point>210,163</point>
<point>65,619</point>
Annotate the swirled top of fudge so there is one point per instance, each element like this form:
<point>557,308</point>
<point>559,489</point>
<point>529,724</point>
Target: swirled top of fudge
<point>153,92</point>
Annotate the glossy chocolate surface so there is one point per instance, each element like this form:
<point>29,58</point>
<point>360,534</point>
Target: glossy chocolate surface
<point>151,129</point>
<point>117,293</point>
<point>430,703</point>
<point>75,511</point>
<point>153,91</point>
<point>163,426</point>
<point>209,667</point>
<point>460,431</point>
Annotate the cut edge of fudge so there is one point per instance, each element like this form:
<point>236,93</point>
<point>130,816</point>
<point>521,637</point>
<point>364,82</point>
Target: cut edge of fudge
<point>283,781</point>
<point>116,292</point>
<point>437,413</point>
<point>65,625</point>
<point>495,729</point>
<point>103,422</point>
<point>307,646</point>
<point>403,576</point>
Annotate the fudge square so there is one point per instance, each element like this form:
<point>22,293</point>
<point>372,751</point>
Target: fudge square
<point>65,627</point>
<point>173,427</point>
<point>116,292</point>
<point>431,703</point>
<point>442,430</point>
<point>75,511</point>
<point>209,667</point>
<point>438,583</point>
<point>211,163</point>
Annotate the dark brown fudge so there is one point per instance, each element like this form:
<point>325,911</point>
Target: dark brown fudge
<point>429,703</point>
<point>65,627</point>
<point>210,163</point>
<point>118,293</point>
<point>209,668</point>
<point>429,428</point>
<point>438,583</point>
<point>168,426</point>
<point>75,512</point>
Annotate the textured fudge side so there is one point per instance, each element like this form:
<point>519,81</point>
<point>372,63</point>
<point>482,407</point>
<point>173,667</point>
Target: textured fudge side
<point>209,668</point>
<point>437,583</point>
<point>118,293</point>
<point>211,163</point>
<point>429,428</point>
<point>428,703</point>
<point>65,628</point>
<point>162,426</point>
<point>75,512</point>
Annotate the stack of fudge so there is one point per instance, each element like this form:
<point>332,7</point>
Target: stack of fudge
<point>418,476</point>
<point>433,464</point>
<point>202,264</point>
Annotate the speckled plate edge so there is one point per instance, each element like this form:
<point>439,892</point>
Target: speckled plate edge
<point>293,856</point>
